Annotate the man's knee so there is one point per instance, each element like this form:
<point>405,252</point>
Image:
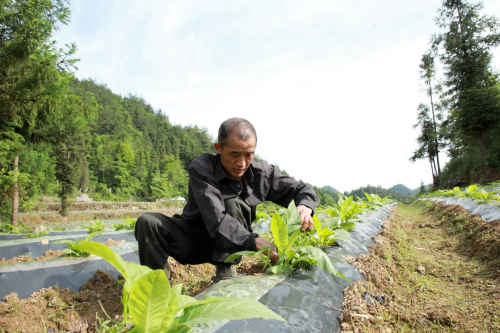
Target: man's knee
<point>146,221</point>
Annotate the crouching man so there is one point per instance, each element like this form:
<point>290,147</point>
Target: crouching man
<point>224,190</point>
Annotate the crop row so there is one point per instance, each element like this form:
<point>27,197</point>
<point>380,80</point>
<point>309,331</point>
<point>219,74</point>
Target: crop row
<point>473,192</point>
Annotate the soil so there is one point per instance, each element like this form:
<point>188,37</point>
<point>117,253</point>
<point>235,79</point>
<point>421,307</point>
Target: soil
<point>433,267</point>
<point>49,254</point>
<point>54,310</point>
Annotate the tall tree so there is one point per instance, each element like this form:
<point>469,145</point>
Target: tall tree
<point>427,74</point>
<point>427,141</point>
<point>31,71</point>
<point>466,40</point>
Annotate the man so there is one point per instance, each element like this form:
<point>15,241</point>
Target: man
<point>224,190</point>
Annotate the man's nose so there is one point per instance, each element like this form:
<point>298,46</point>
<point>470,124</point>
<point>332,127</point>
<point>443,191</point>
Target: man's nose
<point>241,162</point>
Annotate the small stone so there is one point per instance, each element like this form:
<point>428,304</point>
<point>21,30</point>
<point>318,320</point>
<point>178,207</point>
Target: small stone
<point>366,297</point>
<point>45,242</point>
<point>40,228</point>
<point>421,269</point>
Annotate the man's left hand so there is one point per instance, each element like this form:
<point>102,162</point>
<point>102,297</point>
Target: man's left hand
<point>305,217</point>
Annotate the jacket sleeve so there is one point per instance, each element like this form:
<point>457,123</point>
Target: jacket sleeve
<point>229,233</point>
<point>283,189</point>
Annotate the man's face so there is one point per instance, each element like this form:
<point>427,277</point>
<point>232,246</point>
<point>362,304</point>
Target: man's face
<point>236,155</point>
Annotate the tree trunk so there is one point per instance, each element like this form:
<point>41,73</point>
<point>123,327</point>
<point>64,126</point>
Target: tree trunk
<point>433,169</point>
<point>15,192</point>
<point>435,132</point>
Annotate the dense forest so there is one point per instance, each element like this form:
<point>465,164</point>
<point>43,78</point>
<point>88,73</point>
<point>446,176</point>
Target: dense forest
<point>462,115</point>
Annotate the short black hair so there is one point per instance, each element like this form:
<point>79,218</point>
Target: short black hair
<point>244,130</point>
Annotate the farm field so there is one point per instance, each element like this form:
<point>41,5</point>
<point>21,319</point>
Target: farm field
<point>433,267</point>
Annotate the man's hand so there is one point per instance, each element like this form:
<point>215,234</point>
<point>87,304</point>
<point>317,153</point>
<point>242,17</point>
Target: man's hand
<point>305,216</point>
<point>261,243</point>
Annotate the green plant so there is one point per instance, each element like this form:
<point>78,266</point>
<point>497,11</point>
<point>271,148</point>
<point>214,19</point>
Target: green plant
<point>95,226</point>
<point>37,234</point>
<point>71,246</point>
<point>152,305</point>
<point>327,236</point>
<point>8,228</point>
<point>472,192</point>
<point>128,224</point>
<point>286,231</point>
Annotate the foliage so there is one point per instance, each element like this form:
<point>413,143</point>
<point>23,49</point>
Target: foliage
<point>95,226</point>
<point>128,224</point>
<point>12,229</point>
<point>382,192</point>
<point>466,42</point>
<point>286,233</point>
<point>471,94</point>
<point>402,189</point>
<point>152,305</point>
<point>72,249</point>
<point>327,236</point>
<point>473,192</point>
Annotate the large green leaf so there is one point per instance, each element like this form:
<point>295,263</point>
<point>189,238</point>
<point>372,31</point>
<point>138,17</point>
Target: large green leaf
<point>280,232</point>
<point>322,259</point>
<point>341,234</point>
<point>106,253</point>
<point>151,304</point>
<point>292,218</point>
<point>216,309</point>
<point>278,269</point>
<point>317,224</point>
<point>347,226</point>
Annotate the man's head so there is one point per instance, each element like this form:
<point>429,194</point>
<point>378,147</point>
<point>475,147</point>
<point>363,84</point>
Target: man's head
<point>236,144</point>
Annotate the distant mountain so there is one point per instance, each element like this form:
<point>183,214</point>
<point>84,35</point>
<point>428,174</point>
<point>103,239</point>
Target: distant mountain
<point>331,189</point>
<point>401,189</point>
<point>360,192</point>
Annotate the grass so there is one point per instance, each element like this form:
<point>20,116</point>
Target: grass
<point>455,293</point>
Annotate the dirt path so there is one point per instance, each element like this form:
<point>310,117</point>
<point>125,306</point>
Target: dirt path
<point>433,268</point>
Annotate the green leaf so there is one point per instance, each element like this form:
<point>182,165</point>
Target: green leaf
<point>322,259</point>
<point>347,226</point>
<point>292,218</point>
<point>151,304</point>
<point>184,300</point>
<point>236,255</point>
<point>278,269</point>
<point>317,224</point>
<point>341,234</point>
<point>216,309</point>
<point>280,232</point>
<point>130,270</point>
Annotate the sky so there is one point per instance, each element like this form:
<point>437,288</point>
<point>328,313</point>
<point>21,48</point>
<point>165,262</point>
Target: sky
<point>332,87</point>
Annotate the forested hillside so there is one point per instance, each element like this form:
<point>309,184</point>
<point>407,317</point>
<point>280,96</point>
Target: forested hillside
<point>360,192</point>
<point>402,189</point>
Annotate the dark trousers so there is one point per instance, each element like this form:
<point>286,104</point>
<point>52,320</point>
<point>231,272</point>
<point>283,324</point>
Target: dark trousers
<point>186,240</point>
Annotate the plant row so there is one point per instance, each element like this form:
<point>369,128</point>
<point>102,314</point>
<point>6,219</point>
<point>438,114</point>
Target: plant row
<point>473,192</point>
<point>299,249</point>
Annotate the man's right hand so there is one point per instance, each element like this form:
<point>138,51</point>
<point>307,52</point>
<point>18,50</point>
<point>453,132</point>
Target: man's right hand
<point>261,243</point>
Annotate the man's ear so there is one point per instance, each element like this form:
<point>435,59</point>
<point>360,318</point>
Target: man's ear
<point>218,147</point>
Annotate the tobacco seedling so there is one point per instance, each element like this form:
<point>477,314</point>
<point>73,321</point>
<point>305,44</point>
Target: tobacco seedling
<point>327,236</point>
<point>291,255</point>
<point>152,305</point>
<point>71,246</point>
<point>95,226</point>
<point>128,224</point>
